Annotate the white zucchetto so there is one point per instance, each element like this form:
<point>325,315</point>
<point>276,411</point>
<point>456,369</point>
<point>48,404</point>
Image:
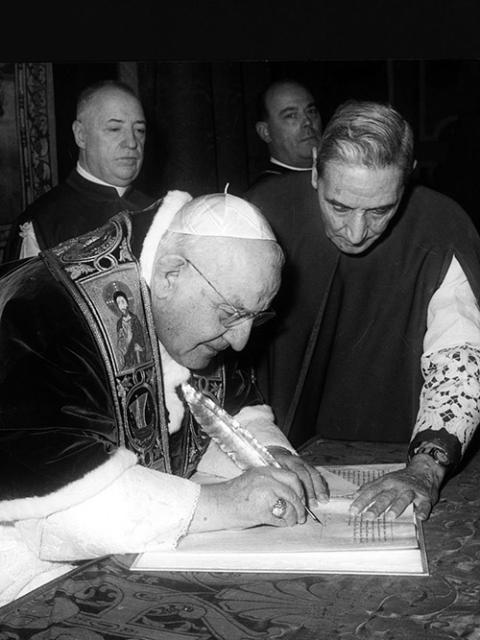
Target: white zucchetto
<point>216,215</point>
<point>222,215</point>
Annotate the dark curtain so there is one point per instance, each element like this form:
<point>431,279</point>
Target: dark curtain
<point>201,117</point>
<point>201,125</point>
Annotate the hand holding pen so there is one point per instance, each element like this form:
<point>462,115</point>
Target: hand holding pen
<point>316,488</point>
<point>239,444</point>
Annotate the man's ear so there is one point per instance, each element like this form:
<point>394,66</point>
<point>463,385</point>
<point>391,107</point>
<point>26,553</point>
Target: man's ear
<point>78,134</point>
<point>165,273</point>
<point>263,131</point>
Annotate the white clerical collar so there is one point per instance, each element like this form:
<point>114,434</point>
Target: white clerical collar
<point>88,176</point>
<point>287,166</point>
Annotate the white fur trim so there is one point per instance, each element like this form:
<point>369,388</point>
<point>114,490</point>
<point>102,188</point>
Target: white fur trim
<point>21,568</point>
<point>140,510</point>
<point>143,509</point>
<point>75,492</point>
<point>171,204</point>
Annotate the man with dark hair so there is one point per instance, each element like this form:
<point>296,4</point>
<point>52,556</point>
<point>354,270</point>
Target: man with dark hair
<point>378,336</point>
<point>290,125</point>
<point>109,131</point>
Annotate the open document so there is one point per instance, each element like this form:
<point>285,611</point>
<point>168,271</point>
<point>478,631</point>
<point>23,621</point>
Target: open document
<point>342,544</point>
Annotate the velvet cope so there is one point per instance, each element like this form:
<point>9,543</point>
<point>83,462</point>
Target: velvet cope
<point>68,396</point>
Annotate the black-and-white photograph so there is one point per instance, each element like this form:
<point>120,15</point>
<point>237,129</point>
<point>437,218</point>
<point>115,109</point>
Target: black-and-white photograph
<point>240,328</point>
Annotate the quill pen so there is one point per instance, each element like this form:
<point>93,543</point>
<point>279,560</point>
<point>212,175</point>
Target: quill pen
<point>232,438</point>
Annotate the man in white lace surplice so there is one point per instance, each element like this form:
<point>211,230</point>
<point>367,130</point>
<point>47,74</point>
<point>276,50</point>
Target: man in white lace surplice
<point>450,398</point>
<point>357,200</point>
<point>382,341</point>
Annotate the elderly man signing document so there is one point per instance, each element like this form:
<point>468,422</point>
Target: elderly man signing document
<point>97,448</point>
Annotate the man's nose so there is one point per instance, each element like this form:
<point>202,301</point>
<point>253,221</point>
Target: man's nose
<point>312,119</point>
<point>356,228</point>
<point>307,120</point>
<point>237,336</point>
<point>130,139</point>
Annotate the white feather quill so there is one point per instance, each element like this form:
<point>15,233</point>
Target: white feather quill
<point>236,441</point>
<point>232,438</point>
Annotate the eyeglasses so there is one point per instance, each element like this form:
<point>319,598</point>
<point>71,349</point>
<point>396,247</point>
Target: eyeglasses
<point>236,315</point>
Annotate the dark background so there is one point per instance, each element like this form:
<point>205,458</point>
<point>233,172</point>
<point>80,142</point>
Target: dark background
<point>200,65</point>
<point>201,115</point>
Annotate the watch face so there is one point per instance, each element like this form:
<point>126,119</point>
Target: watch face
<point>439,456</point>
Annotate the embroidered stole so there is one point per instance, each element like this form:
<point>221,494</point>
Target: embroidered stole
<point>103,277</point>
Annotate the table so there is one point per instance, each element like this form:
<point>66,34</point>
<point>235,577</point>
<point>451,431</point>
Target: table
<point>103,600</point>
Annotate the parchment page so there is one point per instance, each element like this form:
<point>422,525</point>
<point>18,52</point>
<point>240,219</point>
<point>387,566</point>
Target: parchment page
<point>342,544</point>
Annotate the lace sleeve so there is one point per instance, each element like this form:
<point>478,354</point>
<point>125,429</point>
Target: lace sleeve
<point>450,399</point>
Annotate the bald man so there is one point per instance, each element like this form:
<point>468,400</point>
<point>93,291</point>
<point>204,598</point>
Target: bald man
<point>98,452</point>
<point>109,132</point>
<point>290,125</point>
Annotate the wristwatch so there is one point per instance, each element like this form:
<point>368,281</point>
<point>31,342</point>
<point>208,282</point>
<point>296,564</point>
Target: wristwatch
<point>438,454</point>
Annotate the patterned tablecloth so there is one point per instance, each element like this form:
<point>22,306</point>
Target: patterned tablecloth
<point>103,600</point>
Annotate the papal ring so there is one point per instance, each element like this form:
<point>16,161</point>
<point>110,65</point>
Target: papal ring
<point>279,509</point>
